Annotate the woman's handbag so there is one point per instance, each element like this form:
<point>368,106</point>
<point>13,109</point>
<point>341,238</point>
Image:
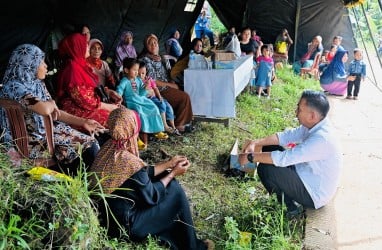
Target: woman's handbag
<point>100,90</point>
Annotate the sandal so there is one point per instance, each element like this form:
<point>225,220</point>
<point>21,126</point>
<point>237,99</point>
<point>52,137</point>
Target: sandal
<point>176,132</point>
<point>141,145</point>
<point>173,131</point>
<point>161,135</point>
<point>169,130</point>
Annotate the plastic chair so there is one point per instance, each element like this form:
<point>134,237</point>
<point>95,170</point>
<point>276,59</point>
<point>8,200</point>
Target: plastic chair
<point>15,114</point>
<point>313,70</point>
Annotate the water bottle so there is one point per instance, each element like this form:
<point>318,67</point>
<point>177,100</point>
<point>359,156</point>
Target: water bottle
<point>191,61</point>
<point>198,61</point>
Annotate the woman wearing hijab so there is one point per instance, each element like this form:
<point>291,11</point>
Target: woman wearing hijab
<point>172,45</point>
<point>23,82</point>
<point>146,200</point>
<point>100,67</point>
<point>334,78</point>
<point>77,82</point>
<point>125,48</point>
<point>179,100</point>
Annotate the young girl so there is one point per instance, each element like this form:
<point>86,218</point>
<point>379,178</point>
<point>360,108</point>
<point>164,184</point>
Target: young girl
<point>165,109</point>
<point>133,91</point>
<point>264,71</point>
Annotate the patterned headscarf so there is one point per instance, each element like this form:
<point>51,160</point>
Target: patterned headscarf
<point>118,158</point>
<point>20,79</point>
<point>22,69</point>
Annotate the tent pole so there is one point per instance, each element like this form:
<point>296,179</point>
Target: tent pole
<point>364,44</point>
<point>375,47</point>
<point>296,24</point>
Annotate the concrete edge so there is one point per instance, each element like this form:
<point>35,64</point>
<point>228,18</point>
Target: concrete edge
<point>320,228</point>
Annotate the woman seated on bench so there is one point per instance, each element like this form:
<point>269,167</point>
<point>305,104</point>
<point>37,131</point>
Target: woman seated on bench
<point>23,82</point>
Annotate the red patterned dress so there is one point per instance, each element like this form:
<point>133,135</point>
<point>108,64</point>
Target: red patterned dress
<point>76,82</point>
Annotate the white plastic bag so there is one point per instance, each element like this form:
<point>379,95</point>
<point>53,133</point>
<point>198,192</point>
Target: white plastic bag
<point>234,46</point>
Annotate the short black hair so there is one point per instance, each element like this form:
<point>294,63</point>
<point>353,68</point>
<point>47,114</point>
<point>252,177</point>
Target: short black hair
<point>195,41</point>
<point>265,46</point>
<point>142,64</point>
<point>129,62</point>
<point>316,100</point>
<point>79,26</point>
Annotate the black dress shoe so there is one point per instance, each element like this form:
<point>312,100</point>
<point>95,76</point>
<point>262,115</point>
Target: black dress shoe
<point>295,213</point>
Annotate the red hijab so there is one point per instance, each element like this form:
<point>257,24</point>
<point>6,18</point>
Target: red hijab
<point>75,71</point>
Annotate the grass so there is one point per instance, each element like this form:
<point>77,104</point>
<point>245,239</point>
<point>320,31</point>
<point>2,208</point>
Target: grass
<point>236,213</point>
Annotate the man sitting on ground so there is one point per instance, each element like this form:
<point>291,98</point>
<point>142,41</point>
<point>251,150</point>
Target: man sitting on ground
<point>308,170</point>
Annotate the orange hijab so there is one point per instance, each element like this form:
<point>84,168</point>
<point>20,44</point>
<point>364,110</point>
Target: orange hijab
<point>118,158</point>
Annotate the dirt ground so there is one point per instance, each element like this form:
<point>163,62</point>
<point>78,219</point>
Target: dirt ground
<point>355,215</point>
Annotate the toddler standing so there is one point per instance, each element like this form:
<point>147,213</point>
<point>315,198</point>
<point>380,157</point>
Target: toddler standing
<point>264,71</point>
<point>357,69</point>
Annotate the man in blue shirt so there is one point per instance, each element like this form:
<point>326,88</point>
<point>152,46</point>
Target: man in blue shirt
<point>202,28</point>
<point>305,166</point>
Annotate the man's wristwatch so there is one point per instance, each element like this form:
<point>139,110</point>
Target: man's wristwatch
<point>250,157</point>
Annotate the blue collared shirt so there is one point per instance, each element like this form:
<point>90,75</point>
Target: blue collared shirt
<point>317,158</point>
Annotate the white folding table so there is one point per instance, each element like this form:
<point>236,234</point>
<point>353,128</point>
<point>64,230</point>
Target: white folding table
<point>213,92</point>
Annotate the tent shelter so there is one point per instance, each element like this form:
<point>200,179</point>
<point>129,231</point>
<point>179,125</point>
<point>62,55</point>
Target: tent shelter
<point>43,22</point>
<point>304,19</point>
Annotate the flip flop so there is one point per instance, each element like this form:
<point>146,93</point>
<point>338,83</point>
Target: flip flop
<point>161,135</point>
<point>176,132</point>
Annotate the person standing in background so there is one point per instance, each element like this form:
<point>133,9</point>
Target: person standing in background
<point>202,28</point>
